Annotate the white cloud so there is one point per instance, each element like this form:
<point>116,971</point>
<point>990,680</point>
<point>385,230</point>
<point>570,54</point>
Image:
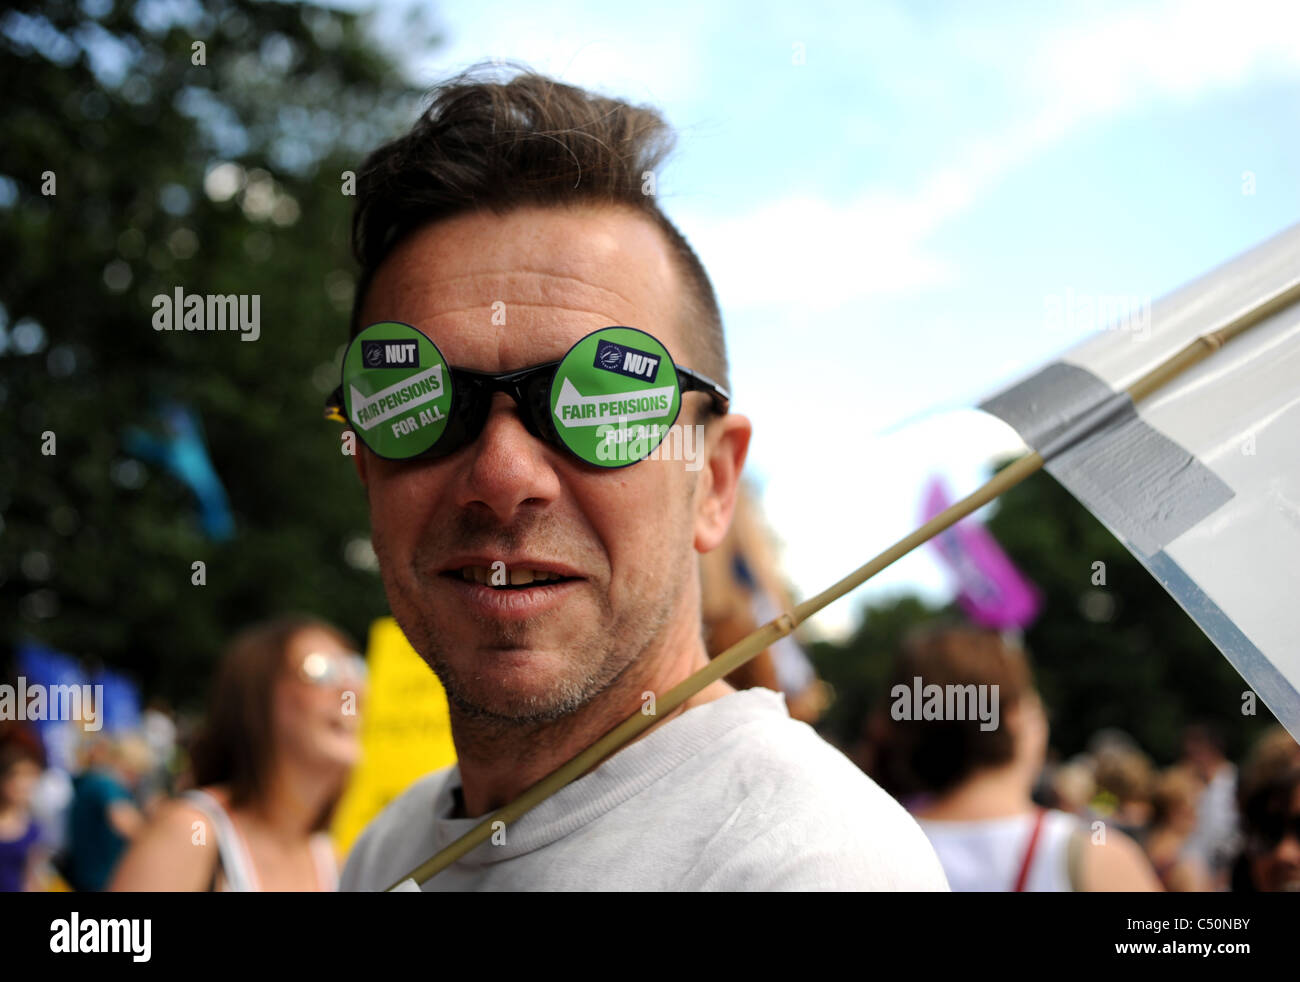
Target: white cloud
<point>632,52</point>
<point>1171,49</point>
<point>808,251</point>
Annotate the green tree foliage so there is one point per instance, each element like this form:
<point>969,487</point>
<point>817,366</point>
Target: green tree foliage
<point>858,669</point>
<point>130,108</point>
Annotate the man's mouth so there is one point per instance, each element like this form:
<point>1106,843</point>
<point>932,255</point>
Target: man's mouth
<point>520,577</point>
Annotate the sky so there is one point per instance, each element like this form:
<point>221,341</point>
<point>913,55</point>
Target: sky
<point>905,207</point>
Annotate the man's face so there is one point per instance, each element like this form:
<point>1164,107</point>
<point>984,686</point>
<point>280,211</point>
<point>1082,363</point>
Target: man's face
<point>498,293</point>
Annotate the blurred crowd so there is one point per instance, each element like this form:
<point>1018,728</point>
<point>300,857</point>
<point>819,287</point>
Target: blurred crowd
<point>1004,814</point>
<point>242,800</point>
<point>67,830</point>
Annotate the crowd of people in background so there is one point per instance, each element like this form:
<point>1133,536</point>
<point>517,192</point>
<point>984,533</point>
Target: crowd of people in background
<point>244,802</point>
<point>69,831</point>
<point>1003,815</point>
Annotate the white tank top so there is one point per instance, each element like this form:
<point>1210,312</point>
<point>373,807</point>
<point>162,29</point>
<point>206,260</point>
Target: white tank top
<point>236,863</point>
<point>987,855</point>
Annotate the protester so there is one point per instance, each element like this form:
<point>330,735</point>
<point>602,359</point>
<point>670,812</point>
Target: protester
<point>51,802</point>
<point>1269,803</point>
<point>21,762</point>
<point>509,226</point>
<point>1168,841</point>
<point>742,589</point>
<point>280,740</point>
<point>976,773</point>
<point>159,732</point>
<point>1125,777</point>
<point>1273,753</point>
<point>1270,860</point>
<point>104,816</point>
<point>1073,787</point>
<point>1215,838</point>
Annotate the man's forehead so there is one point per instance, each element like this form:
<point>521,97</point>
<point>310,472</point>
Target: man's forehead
<point>497,292</point>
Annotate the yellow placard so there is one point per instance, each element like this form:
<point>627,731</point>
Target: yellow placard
<point>405,731</point>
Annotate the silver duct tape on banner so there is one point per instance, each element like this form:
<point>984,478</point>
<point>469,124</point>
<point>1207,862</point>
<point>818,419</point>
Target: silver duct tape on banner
<point>1143,485</point>
<point>1146,488</point>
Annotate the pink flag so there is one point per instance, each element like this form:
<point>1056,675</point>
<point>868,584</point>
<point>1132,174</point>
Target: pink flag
<point>989,587</point>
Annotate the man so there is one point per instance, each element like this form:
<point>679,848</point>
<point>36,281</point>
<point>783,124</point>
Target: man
<point>103,818</point>
<point>1216,838</point>
<point>555,597</point>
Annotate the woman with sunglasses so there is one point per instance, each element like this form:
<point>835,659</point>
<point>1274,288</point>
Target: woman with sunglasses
<point>268,768</point>
<point>1269,803</point>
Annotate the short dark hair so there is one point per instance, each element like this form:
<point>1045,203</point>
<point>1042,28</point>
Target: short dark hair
<point>486,144</point>
<point>18,743</point>
<point>936,755</point>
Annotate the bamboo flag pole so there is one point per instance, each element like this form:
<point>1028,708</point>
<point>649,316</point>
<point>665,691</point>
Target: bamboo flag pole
<point>741,652</point>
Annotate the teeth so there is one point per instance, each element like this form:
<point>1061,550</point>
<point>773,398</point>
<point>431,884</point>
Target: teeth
<point>519,576</point>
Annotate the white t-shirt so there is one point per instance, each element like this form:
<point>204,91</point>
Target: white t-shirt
<point>1215,840</point>
<point>730,795</point>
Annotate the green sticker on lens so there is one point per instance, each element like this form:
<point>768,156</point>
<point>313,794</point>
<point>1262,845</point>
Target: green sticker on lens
<point>614,396</point>
<point>396,390</point>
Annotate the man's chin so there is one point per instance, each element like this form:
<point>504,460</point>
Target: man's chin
<point>502,667</point>
<point>513,685</point>
<point>516,708</point>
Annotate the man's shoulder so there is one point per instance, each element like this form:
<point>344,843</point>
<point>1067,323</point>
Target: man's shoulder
<point>773,755</point>
<point>384,850</point>
<point>793,812</point>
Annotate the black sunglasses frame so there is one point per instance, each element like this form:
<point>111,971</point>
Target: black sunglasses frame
<point>1272,832</point>
<point>530,388</point>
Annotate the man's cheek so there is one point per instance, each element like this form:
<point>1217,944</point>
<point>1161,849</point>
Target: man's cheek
<point>642,555</point>
<point>396,574</point>
<point>394,520</point>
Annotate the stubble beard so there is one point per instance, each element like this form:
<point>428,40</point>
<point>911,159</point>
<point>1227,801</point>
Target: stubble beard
<point>613,643</point>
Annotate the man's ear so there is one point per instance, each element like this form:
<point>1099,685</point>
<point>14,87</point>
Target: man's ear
<point>728,445</point>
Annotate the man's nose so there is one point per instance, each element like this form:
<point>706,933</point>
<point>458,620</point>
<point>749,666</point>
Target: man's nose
<point>509,468</point>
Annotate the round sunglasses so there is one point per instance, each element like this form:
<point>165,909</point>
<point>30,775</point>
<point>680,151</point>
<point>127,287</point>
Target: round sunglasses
<point>609,402</point>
